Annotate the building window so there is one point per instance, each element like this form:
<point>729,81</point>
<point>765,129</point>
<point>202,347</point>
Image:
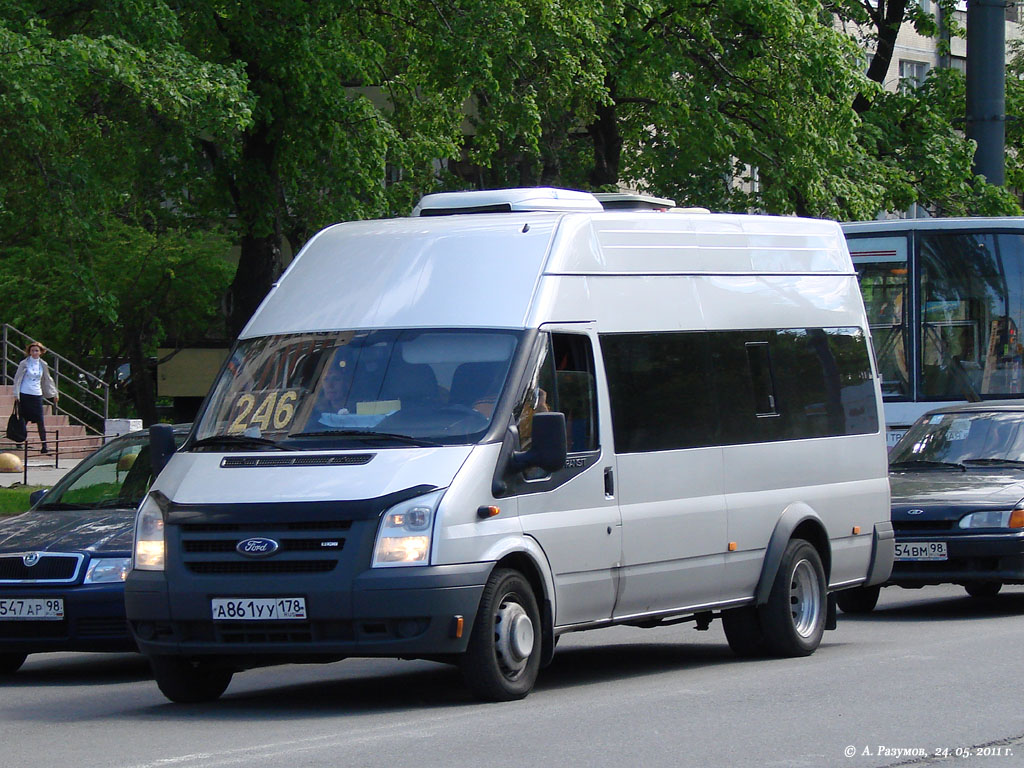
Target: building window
<point>912,74</point>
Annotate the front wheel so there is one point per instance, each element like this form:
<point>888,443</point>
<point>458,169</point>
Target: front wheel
<point>983,588</point>
<point>793,620</point>
<point>858,599</point>
<point>189,682</point>
<point>11,662</point>
<point>503,655</point>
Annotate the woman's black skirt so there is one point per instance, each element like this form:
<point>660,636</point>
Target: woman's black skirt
<point>31,407</point>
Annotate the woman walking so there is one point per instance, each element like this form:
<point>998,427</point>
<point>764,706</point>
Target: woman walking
<point>32,383</point>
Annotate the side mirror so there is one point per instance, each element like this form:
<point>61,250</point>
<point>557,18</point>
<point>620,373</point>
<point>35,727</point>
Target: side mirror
<point>548,448</point>
<point>35,496</point>
<point>161,446</point>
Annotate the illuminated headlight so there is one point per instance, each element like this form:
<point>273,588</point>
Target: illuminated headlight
<point>104,570</point>
<point>1006,518</point>
<point>149,537</point>
<point>405,531</point>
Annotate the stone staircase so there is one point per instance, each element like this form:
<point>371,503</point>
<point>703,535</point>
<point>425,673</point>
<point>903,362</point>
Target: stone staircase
<point>72,443</point>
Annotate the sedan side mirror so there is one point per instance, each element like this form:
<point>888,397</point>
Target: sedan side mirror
<point>548,447</point>
<point>35,496</point>
<point>161,446</point>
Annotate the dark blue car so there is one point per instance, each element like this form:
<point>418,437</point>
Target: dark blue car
<point>63,563</point>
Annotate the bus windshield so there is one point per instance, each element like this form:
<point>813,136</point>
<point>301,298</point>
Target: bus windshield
<point>342,388</point>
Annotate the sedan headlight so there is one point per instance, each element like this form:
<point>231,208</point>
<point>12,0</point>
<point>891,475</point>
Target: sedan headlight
<point>105,570</point>
<point>405,532</point>
<point>1006,518</point>
<point>149,537</point>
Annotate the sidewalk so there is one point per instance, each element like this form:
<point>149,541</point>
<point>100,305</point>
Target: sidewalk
<point>39,475</point>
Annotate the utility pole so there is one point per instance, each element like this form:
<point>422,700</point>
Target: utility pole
<point>986,86</point>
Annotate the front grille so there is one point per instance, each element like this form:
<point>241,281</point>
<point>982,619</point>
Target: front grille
<point>21,630</point>
<point>256,567</point>
<point>102,627</point>
<point>923,525</point>
<point>268,632</point>
<point>197,546</point>
<point>264,528</point>
<point>51,567</point>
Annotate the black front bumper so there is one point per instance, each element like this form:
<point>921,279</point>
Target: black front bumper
<point>971,557</point>
<point>388,612</point>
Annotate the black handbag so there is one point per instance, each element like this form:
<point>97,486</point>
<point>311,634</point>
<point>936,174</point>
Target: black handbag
<point>17,432</point>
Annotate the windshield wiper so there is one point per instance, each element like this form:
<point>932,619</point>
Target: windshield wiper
<point>926,464</point>
<point>58,506</point>
<point>367,434</point>
<point>995,462</point>
<point>239,440</point>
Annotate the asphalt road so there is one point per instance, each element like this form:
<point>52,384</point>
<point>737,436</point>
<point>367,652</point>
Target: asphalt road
<point>929,671</point>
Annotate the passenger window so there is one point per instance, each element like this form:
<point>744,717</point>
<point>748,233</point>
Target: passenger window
<point>563,381</point>
<point>761,376</point>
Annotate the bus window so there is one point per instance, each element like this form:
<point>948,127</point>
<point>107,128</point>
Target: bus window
<point>883,274</point>
<point>972,292</point>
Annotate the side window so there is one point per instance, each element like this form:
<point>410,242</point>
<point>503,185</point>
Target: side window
<point>761,376</point>
<point>658,383</point>
<point>563,381</point>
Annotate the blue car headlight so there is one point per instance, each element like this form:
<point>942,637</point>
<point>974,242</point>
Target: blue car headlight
<point>106,570</point>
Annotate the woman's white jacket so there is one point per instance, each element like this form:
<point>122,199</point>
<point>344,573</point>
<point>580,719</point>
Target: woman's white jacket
<point>49,388</point>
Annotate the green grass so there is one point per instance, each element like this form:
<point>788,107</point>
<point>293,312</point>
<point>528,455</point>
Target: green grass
<point>14,501</point>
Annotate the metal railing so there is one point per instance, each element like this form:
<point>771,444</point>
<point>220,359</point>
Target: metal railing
<point>88,394</point>
<point>74,448</point>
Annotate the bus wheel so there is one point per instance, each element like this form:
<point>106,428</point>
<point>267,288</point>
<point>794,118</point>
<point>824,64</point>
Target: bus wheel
<point>858,599</point>
<point>503,656</point>
<point>187,682</point>
<point>11,662</point>
<point>983,588</point>
<point>793,619</point>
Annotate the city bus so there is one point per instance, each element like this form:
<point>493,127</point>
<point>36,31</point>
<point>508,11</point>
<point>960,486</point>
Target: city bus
<point>945,302</point>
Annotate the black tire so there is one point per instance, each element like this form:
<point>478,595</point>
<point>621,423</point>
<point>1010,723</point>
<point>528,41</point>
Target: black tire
<point>189,682</point>
<point>743,631</point>
<point>983,588</point>
<point>793,620</point>
<point>11,662</point>
<point>858,599</point>
<point>503,656</point>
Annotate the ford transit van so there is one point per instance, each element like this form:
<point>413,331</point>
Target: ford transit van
<point>459,435</point>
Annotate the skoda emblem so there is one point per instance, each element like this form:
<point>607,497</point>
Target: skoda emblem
<point>30,559</point>
<point>915,511</point>
<point>257,547</point>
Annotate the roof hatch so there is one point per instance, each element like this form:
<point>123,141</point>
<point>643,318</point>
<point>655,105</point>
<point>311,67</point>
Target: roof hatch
<point>507,201</point>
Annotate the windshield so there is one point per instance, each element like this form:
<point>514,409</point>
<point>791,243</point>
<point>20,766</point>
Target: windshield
<point>982,438</point>
<point>117,476</point>
<point>312,391</point>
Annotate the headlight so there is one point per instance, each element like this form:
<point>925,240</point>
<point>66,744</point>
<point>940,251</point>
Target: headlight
<point>149,537</point>
<point>103,570</point>
<point>1006,518</point>
<point>405,530</point>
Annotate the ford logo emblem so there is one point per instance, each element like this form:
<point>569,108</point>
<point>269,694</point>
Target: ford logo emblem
<point>257,547</point>
<point>30,559</point>
<point>915,511</point>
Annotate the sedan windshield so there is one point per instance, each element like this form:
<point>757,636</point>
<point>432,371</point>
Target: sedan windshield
<point>958,440</point>
<point>351,388</point>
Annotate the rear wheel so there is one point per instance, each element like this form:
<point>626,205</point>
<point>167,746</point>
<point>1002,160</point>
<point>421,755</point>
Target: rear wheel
<point>189,682</point>
<point>983,588</point>
<point>793,620</point>
<point>503,656</point>
<point>11,662</point>
<point>858,599</point>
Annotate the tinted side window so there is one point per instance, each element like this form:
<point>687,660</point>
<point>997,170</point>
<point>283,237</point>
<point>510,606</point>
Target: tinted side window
<point>659,391</point>
<point>686,390</point>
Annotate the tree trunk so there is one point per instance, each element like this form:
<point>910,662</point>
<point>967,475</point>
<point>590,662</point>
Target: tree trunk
<point>887,18</point>
<point>604,132</point>
<point>143,386</point>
